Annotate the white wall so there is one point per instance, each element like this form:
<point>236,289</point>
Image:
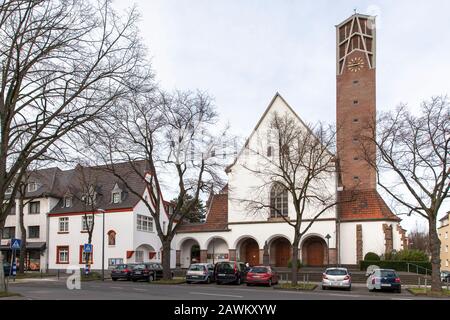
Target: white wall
<point>373,239</point>
<point>244,184</point>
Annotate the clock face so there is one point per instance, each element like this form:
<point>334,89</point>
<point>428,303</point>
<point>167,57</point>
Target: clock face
<point>356,64</point>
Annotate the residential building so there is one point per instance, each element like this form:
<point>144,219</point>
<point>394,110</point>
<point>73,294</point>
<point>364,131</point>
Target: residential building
<point>444,231</point>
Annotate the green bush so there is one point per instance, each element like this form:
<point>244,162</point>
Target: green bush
<point>299,264</point>
<point>396,265</point>
<point>410,255</point>
<point>371,256</point>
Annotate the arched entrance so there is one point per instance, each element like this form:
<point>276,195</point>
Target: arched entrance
<point>217,250</point>
<point>249,251</point>
<point>190,253</point>
<point>280,252</point>
<point>144,253</point>
<point>314,252</point>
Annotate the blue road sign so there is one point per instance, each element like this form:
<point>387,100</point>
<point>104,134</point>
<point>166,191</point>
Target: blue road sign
<point>15,244</point>
<point>87,247</point>
<point>14,269</point>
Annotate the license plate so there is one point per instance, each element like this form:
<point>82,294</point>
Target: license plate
<point>335,283</point>
<point>385,284</point>
<point>221,274</point>
<point>138,272</point>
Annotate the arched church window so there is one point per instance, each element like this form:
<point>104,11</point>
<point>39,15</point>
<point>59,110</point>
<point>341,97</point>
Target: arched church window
<point>112,238</point>
<point>278,201</point>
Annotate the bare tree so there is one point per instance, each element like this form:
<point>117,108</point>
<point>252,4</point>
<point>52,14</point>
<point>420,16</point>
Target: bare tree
<point>297,165</point>
<point>418,239</point>
<point>63,63</point>
<point>173,134</point>
<point>415,152</point>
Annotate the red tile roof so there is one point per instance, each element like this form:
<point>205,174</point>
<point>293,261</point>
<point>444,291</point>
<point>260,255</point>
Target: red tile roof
<point>364,205</point>
<point>217,218</point>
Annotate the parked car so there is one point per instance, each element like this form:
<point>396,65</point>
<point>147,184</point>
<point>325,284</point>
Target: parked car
<point>262,275</point>
<point>230,272</point>
<point>147,271</point>
<point>384,279</point>
<point>336,278</point>
<point>445,276</point>
<point>200,272</point>
<point>122,271</point>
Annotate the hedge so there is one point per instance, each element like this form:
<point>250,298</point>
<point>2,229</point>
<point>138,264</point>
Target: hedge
<point>396,265</point>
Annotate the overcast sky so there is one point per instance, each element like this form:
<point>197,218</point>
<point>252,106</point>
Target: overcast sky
<point>243,51</point>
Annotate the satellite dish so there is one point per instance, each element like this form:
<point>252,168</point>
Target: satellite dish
<point>370,269</point>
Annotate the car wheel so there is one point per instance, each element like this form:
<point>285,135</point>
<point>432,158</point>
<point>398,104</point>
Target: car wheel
<point>114,279</point>
<point>151,278</point>
<point>218,283</point>
<point>270,282</point>
<point>324,288</point>
<point>188,282</point>
<point>134,280</point>
<point>349,288</point>
<point>248,284</point>
<point>399,290</point>
<point>208,280</point>
<point>238,282</point>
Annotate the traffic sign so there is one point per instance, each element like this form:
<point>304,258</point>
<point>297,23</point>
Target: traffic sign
<point>15,244</point>
<point>14,269</point>
<point>87,248</point>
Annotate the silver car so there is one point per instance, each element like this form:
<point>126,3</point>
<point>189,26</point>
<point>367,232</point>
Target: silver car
<point>336,278</point>
<point>200,272</point>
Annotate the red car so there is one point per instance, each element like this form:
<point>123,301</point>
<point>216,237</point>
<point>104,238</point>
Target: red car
<point>262,275</point>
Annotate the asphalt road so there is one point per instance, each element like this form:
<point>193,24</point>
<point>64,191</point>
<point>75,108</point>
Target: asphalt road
<point>53,289</point>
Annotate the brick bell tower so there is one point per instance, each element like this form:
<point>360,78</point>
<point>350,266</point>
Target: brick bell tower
<point>355,112</point>
<point>356,98</point>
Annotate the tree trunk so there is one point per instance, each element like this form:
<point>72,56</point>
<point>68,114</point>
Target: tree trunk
<point>435,248</point>
<point>167,273</point>
<point>23,237</point>
<point>294,269</point>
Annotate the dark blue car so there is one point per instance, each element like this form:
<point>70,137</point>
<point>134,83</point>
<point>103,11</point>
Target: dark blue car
<point>384,279</point>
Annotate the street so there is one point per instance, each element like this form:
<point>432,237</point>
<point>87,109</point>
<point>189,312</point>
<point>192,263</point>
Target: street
<point>52,289</point>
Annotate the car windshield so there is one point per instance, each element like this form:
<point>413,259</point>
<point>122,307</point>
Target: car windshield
<point>196,267</point>
<point>139,266</point>
<point>225,266</point>
<point>259,270</point>
<point>121,267</point>
<point>336,272</point>
<point>388,274</point>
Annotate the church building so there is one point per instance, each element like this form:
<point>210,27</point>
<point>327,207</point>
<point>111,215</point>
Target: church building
<point>360,223</point>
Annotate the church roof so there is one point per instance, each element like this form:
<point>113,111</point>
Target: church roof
<point>364,205</point>
<point>217,218</point>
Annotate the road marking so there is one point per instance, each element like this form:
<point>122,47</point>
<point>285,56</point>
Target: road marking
<point>213,294</point>
<point>137,289</point>
<point>345,295</point>
<point>120,288</point>
<point>400,299</point>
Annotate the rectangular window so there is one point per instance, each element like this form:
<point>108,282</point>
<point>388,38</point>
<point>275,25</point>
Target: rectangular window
<point>114,261</point>
<point>67,202</point>
<point>34,207</point>
<point>86,257</point>
<point>8,232</point>
<point>33,232</point>
<point>144,223</point>
<point>32,187</point>
<point>62,254</point>
<point>446,235</point>
<point>87,222</point>
<point>116,197</point>
<point>139,256</point>
<point>64,224</point>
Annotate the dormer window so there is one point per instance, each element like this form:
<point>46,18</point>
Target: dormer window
<point>32,187</point>
<point>67,202</point>
<point>116,197</point>
<point>116,194</point>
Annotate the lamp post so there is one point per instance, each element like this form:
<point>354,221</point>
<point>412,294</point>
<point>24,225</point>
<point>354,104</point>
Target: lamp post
<point>328,247</point>
<point>214,247</point>
<point>103,243</point>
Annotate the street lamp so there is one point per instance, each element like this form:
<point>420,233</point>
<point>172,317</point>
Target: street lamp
<point>328,245</point>
<point>103,243</point>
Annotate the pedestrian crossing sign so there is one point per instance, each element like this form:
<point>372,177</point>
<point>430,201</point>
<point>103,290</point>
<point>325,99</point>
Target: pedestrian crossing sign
<point>15,244</point>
